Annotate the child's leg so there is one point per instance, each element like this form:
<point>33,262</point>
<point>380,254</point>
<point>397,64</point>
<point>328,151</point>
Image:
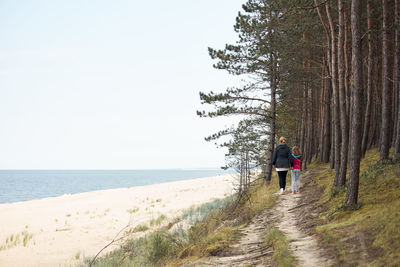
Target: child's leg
<point>293,175</point>
<point>297,179</point>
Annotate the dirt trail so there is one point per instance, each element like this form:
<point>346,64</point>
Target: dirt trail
<point>303,246</point>
<point>251,250</point>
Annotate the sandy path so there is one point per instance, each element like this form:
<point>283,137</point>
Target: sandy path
<point>304,247</point>
<point>250,250</point>
<point>60,231</point>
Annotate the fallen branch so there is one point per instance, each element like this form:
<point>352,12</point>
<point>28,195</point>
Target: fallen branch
<point>115,239</point>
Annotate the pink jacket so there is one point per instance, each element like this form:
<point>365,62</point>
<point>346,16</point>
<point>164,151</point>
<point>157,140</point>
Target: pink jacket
<point>296,162</point>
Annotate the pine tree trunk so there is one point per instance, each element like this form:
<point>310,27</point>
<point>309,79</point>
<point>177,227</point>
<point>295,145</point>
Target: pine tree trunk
<point>247,169</point>
<point>310,135</point>
<point>378,102</point>
<point>355,148</point>
<point>329,135</point>
<point>397,78</point>
<point>271,143</point>
<point>394,100</point>
<point>340,177</point>
<point>328,119</point>
<point>332,156</point>
<point>321,116</point>
<point>386,94</point>
<point>303,142</point>
<point>347,59</point>
<point>369,83</point>
<point>242,172</point>
<point>336,122</point>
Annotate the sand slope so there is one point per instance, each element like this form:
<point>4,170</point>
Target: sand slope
<point>60,231</point>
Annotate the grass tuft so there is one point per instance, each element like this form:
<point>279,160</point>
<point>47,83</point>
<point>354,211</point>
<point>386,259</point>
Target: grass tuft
<point>158,221</point>
<point>22,238</point>
<point>133,210</point>
<point>336,191</point>
<point>282,255</point>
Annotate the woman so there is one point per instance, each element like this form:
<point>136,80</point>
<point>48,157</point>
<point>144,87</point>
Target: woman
<point>281,162</point>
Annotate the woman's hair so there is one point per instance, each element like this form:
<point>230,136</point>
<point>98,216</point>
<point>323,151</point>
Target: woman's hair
<point>282,140</point>
<point>296,150</point>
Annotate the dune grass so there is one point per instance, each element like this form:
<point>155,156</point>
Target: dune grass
<point>157,221</point>
<point>13,240</point>
<point>369,234</point>
<point>140,228</point>
<point>213,227</point>
<point>133,210</point>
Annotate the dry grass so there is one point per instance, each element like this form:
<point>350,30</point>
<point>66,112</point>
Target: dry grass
<point>215,227</point>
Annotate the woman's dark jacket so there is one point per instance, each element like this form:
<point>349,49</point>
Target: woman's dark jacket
<point>281,157</point>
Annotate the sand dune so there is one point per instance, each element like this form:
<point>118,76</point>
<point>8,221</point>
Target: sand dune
<point>60,231</point>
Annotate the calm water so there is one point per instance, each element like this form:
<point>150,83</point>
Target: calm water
<point>21,185</point>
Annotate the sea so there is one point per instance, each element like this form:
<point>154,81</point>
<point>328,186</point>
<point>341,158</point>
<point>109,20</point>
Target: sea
<point>22,185</point>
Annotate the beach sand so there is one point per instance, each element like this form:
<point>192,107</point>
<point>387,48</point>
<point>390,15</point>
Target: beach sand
<point>61,231</point>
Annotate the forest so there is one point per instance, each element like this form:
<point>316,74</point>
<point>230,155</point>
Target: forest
<point>324,74</point>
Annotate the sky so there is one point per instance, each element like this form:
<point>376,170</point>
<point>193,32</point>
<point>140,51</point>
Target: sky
<point>111,84</point>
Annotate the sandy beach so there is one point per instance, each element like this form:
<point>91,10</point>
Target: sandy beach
<point>61,231</point>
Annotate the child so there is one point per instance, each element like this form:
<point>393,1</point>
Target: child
<point>295,165</point>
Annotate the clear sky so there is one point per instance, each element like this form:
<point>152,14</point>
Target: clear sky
<point>110,84</point>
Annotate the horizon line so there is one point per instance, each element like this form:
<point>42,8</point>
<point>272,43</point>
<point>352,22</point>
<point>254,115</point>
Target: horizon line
<point>143,169</point>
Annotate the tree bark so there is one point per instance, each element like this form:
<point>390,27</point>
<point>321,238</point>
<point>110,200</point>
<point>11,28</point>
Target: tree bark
<point>386,94</point>
<point>310,110</point>
<point>303,142</point>
<point>377,80</point>
<point>271,143</point>
<point>321,116</point>
<point>328,120</point>
<point>336,123</point>
<point>329,135</point>
<point>396,155</point>
<point>332,155</point>
<point>347,59</point>
<point>355,148</point>
<point>369,83</point>
<point>340,177</point>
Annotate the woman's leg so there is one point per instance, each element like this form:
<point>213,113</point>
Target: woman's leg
<point>282,179</point>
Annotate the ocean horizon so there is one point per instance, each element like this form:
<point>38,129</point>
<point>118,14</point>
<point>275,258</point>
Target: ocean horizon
<point>23,185</point>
